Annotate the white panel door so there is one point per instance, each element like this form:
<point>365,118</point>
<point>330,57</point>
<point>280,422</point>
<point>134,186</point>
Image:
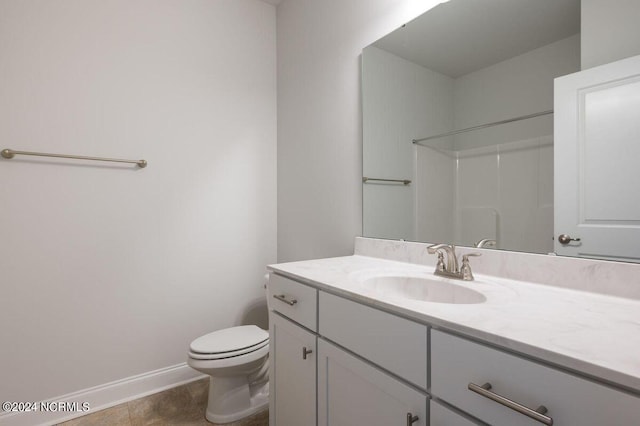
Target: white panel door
<point>293,374</point>
<point>352,392</point>
<point>597,161</point>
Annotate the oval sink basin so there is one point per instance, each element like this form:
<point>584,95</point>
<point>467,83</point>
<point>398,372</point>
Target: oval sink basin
<point>423,289</point>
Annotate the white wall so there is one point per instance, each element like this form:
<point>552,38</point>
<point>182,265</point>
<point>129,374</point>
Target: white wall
<point>610,31</point>
<point>319,118</point>
<point>402,101</point>
<point>109,271</point>
<point>517,86</point>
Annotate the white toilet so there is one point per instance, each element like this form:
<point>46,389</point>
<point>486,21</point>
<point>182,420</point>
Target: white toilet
<point>236,358</point>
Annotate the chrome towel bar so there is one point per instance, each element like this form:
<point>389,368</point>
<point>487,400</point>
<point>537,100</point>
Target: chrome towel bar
<point>10,153</point>
<point>404,181</point>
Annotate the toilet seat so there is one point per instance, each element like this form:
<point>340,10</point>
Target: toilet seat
<point>236,363</point>
<point>230,354</point>
<point>229,343</point>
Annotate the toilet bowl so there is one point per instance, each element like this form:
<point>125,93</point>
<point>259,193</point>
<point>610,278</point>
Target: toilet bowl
<point>236,358</point>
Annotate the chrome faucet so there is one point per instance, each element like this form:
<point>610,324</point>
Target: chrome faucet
<point>450,269</point>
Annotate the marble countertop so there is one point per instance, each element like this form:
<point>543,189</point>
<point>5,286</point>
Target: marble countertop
<point>597,335</point>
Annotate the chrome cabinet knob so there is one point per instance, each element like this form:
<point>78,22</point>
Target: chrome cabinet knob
<point>411,419</point>
<point>566,239</point>
<point>306,352</point>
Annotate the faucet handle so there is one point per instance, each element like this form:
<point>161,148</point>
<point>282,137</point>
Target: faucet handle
<point>440,263</point>
<point>452,260</point>
<point>465,270</point>
<point>465,258</point>
<point>485,243</point>
<point>433,248</point>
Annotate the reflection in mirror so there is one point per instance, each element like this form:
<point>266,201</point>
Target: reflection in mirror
<point>467,65</point>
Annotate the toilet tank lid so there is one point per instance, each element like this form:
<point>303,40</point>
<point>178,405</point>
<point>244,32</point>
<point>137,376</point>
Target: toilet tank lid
<point>229,339</point>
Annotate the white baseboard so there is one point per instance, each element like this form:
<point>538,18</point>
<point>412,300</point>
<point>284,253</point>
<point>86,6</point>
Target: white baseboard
<point>107,395</point>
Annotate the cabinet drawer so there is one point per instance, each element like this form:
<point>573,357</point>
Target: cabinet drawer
<point>395,344</point>
<point>294,300</point>
<point>570,400</point>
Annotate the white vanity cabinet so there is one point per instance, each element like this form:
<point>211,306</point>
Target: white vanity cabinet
<point>360,351</point>
<point>338,362</point>
<point>457,364</point>
<point>292,352</point>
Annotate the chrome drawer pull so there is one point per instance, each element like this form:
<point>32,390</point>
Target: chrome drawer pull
<point>537,414</point>
<point>284,299</point>
<point>411,419</point>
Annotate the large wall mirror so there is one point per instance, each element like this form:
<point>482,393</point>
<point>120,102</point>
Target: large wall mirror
<point>458,123</point>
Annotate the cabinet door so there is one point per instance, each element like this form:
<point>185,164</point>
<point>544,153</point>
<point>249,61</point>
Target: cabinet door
<point>597,125</point>
<point>292,355</point>
<point>352,392</point>
<point>441,416</point>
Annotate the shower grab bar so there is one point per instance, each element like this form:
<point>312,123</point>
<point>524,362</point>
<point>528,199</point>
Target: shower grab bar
<point>404,181</point>
<point>10,153</point>
<point>482,126</point>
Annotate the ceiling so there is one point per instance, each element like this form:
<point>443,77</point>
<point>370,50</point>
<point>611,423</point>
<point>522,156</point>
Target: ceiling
<point>462,36</point>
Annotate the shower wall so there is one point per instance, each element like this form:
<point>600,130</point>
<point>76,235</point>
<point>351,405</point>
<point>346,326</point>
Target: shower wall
<point>504,186</point>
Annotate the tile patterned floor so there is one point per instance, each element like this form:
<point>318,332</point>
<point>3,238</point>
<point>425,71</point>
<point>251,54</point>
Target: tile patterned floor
<point>181,406</point>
